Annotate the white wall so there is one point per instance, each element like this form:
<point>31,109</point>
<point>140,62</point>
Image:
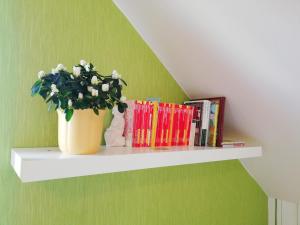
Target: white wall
<point>246,50</point>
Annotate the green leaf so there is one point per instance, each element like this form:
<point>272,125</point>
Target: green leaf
<point>123,81</point>
<point>69,114</point>
<point>36,87</point>
<point>96,111</point>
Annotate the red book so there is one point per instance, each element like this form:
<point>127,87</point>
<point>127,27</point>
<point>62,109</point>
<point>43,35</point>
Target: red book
<point>197,118</point>
<point>149,124</point>
<point>182,124</point>
<point>166,124</point>
<point>175,133</point>
<point>138,124</point>
<point>134,127</point>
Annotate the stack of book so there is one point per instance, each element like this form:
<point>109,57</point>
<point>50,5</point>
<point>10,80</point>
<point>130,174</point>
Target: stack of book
<point>153,124</point>
<point>208,118</point>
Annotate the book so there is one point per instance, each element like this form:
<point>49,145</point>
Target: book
<point>203,107</point>
<point>197,119</point>
<point>167,124</point>
<point>149,124</point>
<point>205,123</point>
<point>213,123</point>
<point>175,135</point>
<point>159,127</point>
<point>188,112</point>
<point>192,134</point>
<point>221,112</point>
<point>156,124</point>
<point>171,124</point>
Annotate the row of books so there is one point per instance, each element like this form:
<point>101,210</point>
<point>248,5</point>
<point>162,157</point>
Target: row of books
<point>153,124</point>
<point>197,122</point>
<point>208,118</point>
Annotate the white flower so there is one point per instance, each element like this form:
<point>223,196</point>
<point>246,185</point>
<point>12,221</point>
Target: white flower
<point>54,88</point>
<point>94,80</point>
<point>60,67</point>
<point>72,77</point>
<point>94,92</point>
<point>76,71</point>
<point>52,93</point>
<point>115,75</point>
<point>83,62</point>
<point>80,95</point>
<point>87,67</point>
<point>105,87</point>
<point>41,74</point>
<point>123,99</point>
<point>89,88</point>
<point>70,103</point>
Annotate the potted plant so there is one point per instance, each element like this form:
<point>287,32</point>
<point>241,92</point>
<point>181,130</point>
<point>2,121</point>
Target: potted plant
<point>80,98</point>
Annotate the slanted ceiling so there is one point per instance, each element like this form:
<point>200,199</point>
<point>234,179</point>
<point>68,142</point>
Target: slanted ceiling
<point>248,51</point>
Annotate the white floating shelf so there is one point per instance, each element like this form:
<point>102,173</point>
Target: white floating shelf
<point>37,164</point>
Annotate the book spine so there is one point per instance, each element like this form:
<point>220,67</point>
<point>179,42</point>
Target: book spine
<point>220,121</point>
<point>172,108</point>
<point>139,124</point>
<point>205,123</point>
<point>212,124</point>
<point>149,128</point>
<point>142,127</point>
<point>167,124</point>
<point>192,134</point>
<point>181,125</point>
<point>154,123</point>
<point>162,122</point>
<point>189,123</point>
<point>134,129</point>
<point>197,119</point>
<point>175,133</point>
<point>216,126</point>
<point>185,110</point>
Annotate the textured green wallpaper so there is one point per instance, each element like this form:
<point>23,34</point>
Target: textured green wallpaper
<point>38,34</point>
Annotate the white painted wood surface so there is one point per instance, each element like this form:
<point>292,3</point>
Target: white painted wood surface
<point>37,164</point>
<point>283,212</point>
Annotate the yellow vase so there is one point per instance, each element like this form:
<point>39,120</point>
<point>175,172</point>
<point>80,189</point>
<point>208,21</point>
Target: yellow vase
<point>82,134</point>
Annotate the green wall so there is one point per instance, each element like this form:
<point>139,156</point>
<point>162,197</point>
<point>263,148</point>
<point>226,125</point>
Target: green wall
<point>38,34</point>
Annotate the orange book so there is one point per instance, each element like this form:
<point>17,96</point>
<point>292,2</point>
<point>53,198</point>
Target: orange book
<point>172,108</point>
<point>154,123</point>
